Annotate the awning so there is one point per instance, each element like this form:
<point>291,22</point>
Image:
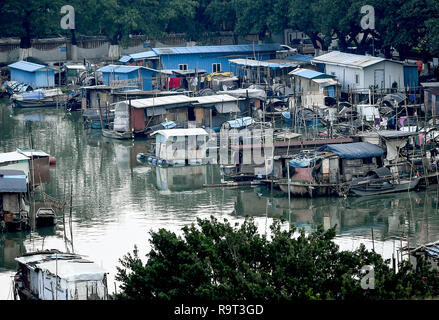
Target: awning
<point>155,111</point>
<point>227,107</point>
<point>357,150</point>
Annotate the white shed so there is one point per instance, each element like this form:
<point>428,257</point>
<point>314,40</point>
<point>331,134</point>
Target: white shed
<point>175,146</point>
<point>359,73</point>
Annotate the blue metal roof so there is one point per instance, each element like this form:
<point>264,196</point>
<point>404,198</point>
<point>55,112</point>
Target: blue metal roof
<point>27,66</point>
<point>143,55</point>
<point>309,74</point>
<point>125,59</point>
<point>12,181</point>
<point>356,150</point>
<point>242,48</point>
<point>300,57</point>
<point>122,69</point>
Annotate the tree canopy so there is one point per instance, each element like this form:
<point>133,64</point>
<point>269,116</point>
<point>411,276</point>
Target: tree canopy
<point>217,261</point>
<point>409,26</point>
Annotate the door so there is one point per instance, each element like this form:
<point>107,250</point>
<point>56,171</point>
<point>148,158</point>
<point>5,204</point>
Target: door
<point>379,78</point>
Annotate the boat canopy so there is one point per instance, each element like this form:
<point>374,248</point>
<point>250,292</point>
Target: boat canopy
<point>356,150</point>
<point>181,132</point>
<point>71,267</point>
<point>382,172</point>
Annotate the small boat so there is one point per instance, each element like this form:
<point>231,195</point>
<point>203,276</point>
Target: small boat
<point>381,181</point>
<point>117,135</point>
<point>54,275</point>
<point>121,127</point>
<point>45,217</point>
<point>39,98</point>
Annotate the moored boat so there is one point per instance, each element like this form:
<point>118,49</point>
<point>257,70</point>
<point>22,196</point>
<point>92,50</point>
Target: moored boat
<point>117,135</point>
<point>45,217</point>
<point>39,98</point>
<point>54,275</point>
<point>381,181</point>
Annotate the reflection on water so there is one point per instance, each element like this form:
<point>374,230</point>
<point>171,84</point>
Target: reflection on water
<point>117,200</point>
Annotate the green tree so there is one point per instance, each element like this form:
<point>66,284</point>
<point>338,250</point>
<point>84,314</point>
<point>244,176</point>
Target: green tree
<point>217,261</point>
<point>29,19</point>
<point>117,19</point>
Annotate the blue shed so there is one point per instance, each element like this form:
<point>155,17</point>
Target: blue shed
<point>118,72</point>
<point>209,58</point>
<point>411,78</point>
<point>35,75</point>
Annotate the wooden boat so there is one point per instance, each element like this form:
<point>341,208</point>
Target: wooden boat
<point>39,98</point>
<point>45,217</point>
<point>54,275</point>
<point>381,181</point>
<point>117,135</point>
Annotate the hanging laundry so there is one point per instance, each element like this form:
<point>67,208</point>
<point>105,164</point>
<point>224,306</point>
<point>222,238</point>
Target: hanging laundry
<point>172,83</point>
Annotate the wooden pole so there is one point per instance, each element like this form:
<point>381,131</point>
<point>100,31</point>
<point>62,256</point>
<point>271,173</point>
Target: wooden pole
<point>373,243</point>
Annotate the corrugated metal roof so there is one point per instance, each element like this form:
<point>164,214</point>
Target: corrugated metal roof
<point>356,150</point>
<point>181,132</point>
<point>12,181</point>
<point>125,59</point>
<point>257,63</point>
<point>349,59</point>
<point>219,98</point>
<point>70,267</point>
<point>159,101</point>
<point>27,66</point>
<point>33,153</point>
<point>143,55</point>
<point>243,48</point>
<point>112,68</point>
<point>309,74</point>
<point>12,156</point>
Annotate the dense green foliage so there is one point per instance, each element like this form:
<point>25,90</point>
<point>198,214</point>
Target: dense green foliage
<point>406,25</point>
<point>217,261</point>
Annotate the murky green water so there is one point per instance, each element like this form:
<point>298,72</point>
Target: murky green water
<point>117,201</point>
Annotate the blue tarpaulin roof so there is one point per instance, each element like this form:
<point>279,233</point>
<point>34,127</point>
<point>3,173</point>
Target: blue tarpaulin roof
<point>300,58</point>
<point>168,124</point>
<point>12,181</point>
<point>241,122</point>
<point>356,150</point>
<point>242,48</point>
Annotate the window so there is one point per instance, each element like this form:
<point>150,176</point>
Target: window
<point>357,79</point>
<point>182,67</point>
<point>216,67</point>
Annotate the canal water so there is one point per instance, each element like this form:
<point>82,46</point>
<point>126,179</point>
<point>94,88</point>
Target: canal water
<point>118,201</point>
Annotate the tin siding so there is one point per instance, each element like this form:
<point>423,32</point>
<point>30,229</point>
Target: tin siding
<point>23,76</point>
<point>205,61</point>
<point>44,78</point>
